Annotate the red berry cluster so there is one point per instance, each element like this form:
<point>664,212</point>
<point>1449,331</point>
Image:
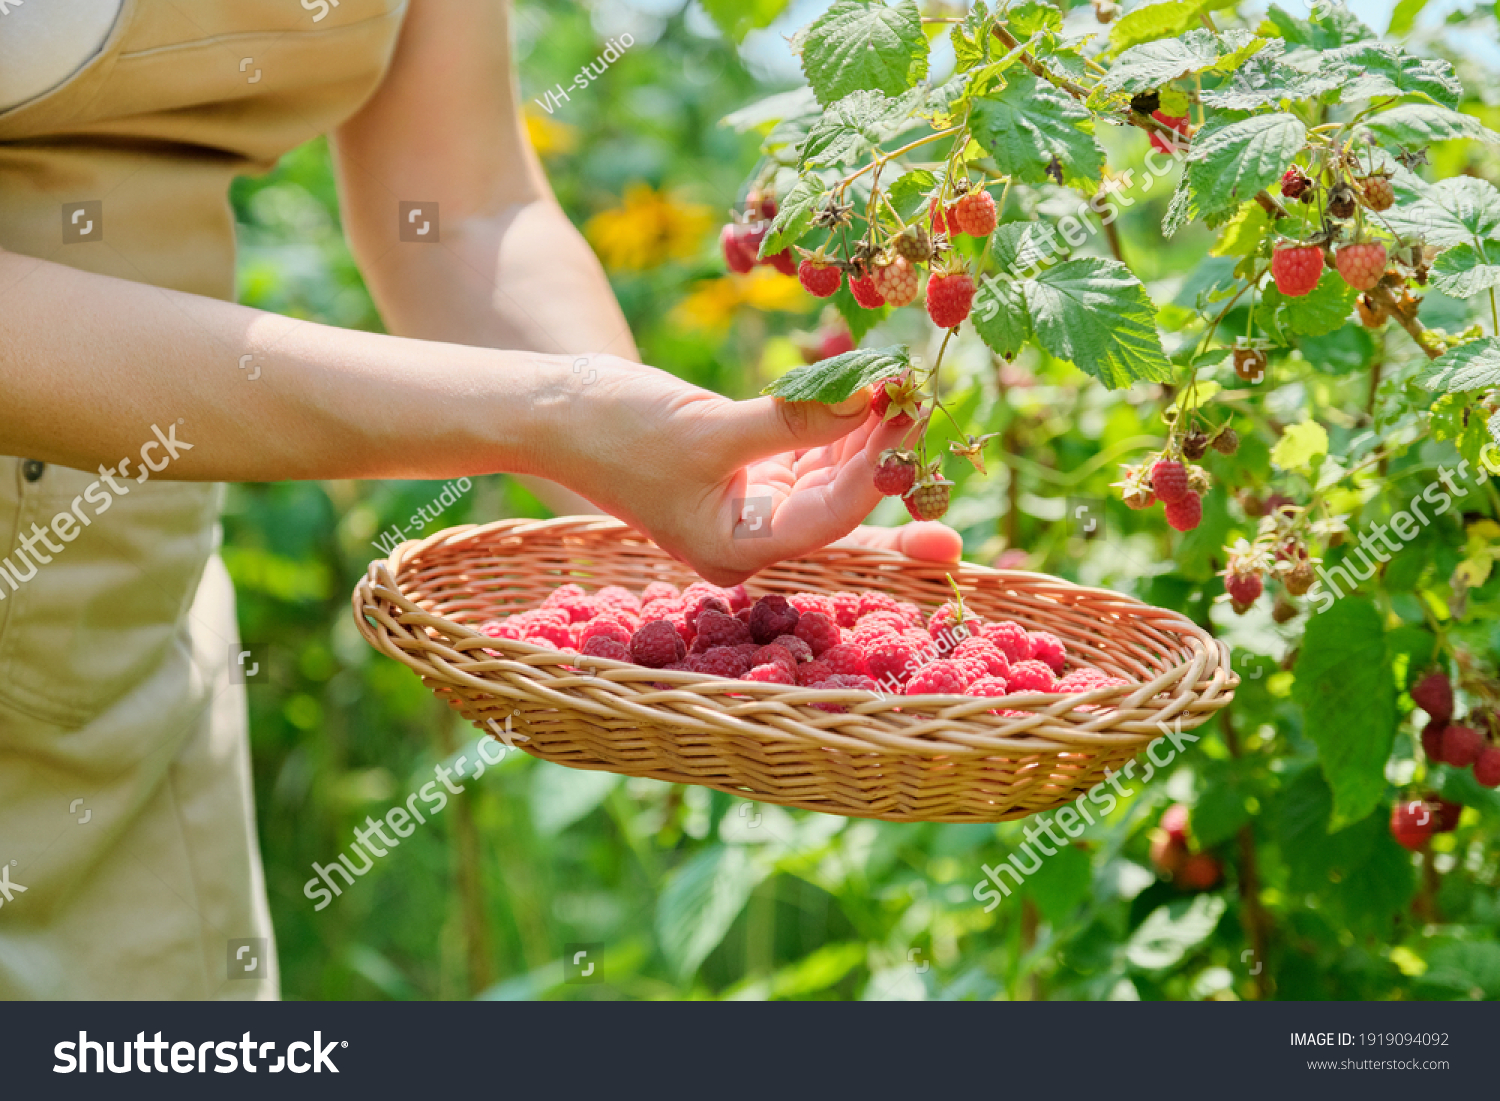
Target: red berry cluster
<point>1172,853</point>
<point>1461,745</point>
<point>869,641</point>
<point>741,238</point>
<point>1296,268</point>
<point>1179,487</point>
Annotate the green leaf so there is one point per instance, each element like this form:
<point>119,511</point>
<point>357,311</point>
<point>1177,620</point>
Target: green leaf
<point>700,901</point>
<point>1415,124</point>
<point>1170,931</point>
<point>863,45</point>
<point>561,796</point>
<point>1153,21</point>
<point>1405,17</point>
<point>855,125</point>
<point>1320,311</point>
<point>1242,234</point>
<point>971,37</point>
<point>794,215</point>
<point>1345,689</point>
<point>1060,884</point>
<point>1230,163</point>
<point>1471,968</point>
<point>1152,64</point>
<point>1028,123</point>
<point>1450,212</point>
<point>1028,17</point>
<point>1380,69</point>
<point>1472,366</point>
<point>1334,26</point>
<point>999,315</point>
<point>1096,313</point>
<point>765,113</point>
<point>1299,445</point>
<point>832,380</point>
<point>1461,272</point>
<point>1182,209</point>
<point>736,18</point>
<point>909,193</point>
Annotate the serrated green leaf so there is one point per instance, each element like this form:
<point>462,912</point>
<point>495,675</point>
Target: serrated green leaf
<point>1404,17</point>
<point>736,18</point>
<point>1320,311</point>
<point>1242,234</point>
<point>1152,21</point>
<point>1461,272</point>
<point>909,193</point>
<point>864,45</point>
<point>794,215</point>
<point>1344,686</point>
<point>1417,124</point>
<point>1299,445</point>
<point>1152,64</point>
<point>855,125</point>
<point>1266,81</point>
<point>1334,26</point>
<point>971,37</point>
<point>1230,163</point>
<point>1450,212</point>
<point>700,901</point>
<point>999,315</point>
<point>1473,366</point>
<point>1028,123</point>
<point>1027,17</point>
<point>1182,209</point>
<point>1096,314</point>
<point>1381,69</point>
<point>832,380</point>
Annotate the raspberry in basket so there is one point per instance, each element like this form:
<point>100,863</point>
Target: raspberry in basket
<point>772,616</point>
<point>846,660</point>
<point>940,678</point>
<point>812,602</point>
<point>988,686</point>
<point>877,602</point>
<point>893,662</point>
<point>846,609</point>
<point>705,604</point>
<point>502,628</point>
<point>1010,639</point>
<point>619,598</point>
<point>603,627</point>
<point>771,673</point>
<point>660,590</point>
<point>721,661</point>
<point>717,628</point>
<point>602,646</point>
<point>1031,676</point>
<point>810,673</point>
<point>1048,648</point>
<point>657,644</point>
<point>549,632</point>
<point>771,653</point>
<point>819,632</point>
<point>793,645</point>
<point>698,590</point>
<point>995,663</point>
<point>844,681</point>
<point>738,598</point>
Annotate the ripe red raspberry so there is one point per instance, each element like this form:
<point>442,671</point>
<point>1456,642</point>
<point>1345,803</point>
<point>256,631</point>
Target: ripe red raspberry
<point>1010,639</point>
<point>741,245</point>
<point>846,659</point>
<point>1412,823</point>
<point>896,472</point>
<point>819,632</point>
<point>1046,647</point>
<point>795,646</point>
<point>1361,265</point>
<point>1432,739</point>
<point>897,281</point>
<point>769,653</point>
<point>865,293</point>
<point>888,622</point>
<point>949,298</point>
<point>721,661</point>
<point>657,644</point>
<point>659,590</point>
<point>943,219</point>
<point>602,646</point>
<point>1294,183</point>
<point>1296,270</point>
<point>1445,813</point>
<point>1462,746</point>
<point>549,632</point>
<point>1184,515</point>
<point>811,602</point>
<point>503,628</point>
<point>940,678</point>
<point>619,598</point>
<point>578,609</point>
<point>867,636</point>
<point>992,687</point>
<point>810,673</point>
<point>1174,822</point>
<point>719,629</point>
<point>659,609</point>
<point>819,279</point>
<point>848,680</point>
<point>1031,676</point>
<point>1377,193</point>
<point>1244,589</point>
<point>750,649</point>
<point>610,628</point>
<point>892,662</point>
<point>910,612</point>
<point>773,673</point>
<point>1170,145</point>
<point>835,342</point>
<point>1200,872</point>
<point>928,502</point>
<point>1087,680</point>
<point>974,213</point>
<point>947,632</point>
<point>986,652</point>
<point>772,616</point>
<point>738,598</point>
<point>972,668</point>
<point>1169,481</point>
<point>1487,767</point>
<point>877,602</point>
<point>1434,695</point>
<point>694,611</point>
<point>846,609</point>
<point>783,262</point>
<point>694,594</point>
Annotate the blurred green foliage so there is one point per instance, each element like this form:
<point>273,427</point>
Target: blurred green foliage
<point>692,893</point>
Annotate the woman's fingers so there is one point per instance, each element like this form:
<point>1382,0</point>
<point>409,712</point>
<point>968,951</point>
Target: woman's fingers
<point>927,540</point>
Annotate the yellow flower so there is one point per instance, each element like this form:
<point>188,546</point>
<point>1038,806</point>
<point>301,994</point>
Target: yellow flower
<point>648,228</point>
<point>713,304</point>
<point>548,136</point>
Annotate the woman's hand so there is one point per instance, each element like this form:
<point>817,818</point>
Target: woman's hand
<point>727,487</point>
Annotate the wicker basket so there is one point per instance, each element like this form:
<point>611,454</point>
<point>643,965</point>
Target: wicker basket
<point>900,758</point>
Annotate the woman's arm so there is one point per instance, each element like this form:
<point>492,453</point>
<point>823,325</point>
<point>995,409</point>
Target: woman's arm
<point>509,270</point>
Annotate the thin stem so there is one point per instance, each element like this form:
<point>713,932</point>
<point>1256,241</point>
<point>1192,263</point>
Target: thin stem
<point>893,154</point>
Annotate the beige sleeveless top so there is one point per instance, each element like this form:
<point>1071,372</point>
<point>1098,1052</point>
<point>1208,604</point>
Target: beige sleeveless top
<point>104,682</point>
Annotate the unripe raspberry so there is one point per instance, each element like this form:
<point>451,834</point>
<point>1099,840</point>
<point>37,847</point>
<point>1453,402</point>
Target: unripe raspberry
<point>819,279</point>
<point>914,244</point>
<point>1361,265</point>
<point>1370,315</point>
<point>1377,193</point>
<point>1341,202</point>
<point>949,298</point>
<point>1169,480</point>
<point>928,502</point>
<point>897,281</point>
<point>1186,513</point>
<point>1296,270</point>
<point>896,472</point>
<point>1227,442</point>
<point>975,213</point>
<point>1249,364</point>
